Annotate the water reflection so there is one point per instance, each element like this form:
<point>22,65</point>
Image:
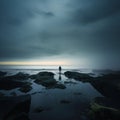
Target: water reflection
<point>60,78</point>
<point>78,94</point>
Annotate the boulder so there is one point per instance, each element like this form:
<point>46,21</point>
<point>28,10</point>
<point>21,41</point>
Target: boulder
<point>13,94</point>
<point>45,78</point>
<point>59,86</point>
<point>65,102</point>
<point>42,75</point>
<point>99,112</point>
<point>20,76</point>
<point>2,73</point>
<point>47,82</point>
<point>2,94</point>
<point>14,81</point>
<point>39,109</point>
<point>15,108</point>
<point>108,85</point>
<point>78,76</point>
<point>25,88</point>
<point>8,84</point>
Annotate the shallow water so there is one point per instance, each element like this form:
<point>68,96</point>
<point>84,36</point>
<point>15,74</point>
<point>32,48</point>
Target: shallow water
<point>78,94</point>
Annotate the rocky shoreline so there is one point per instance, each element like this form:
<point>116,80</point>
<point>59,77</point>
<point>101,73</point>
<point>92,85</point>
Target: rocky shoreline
<point>101,108</point>
<point>107,108</point>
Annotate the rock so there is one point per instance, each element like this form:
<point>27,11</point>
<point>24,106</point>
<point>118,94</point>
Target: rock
<point>42,75</point>
<point>25,88</point>
<point>15,108</point>
<point>39,109</point>
<point>77,93</point>
<point>33,76</point>
<point>59,86</point>
<point>70,82</point>
<point>2,94</point>
<point>13,94</point>
<point>19,116</point>
<point>47,82</point>
<point>8,84</point>
<point>78,76</point>
<point>65,102</point>
<point>99,112</point>
<point>46,79</point>
<point>107,102</point>
<point>108,85</point>
<point>111,76</point>
<point>14,81</point>
<point>20,76</point>
<point>2,73</point>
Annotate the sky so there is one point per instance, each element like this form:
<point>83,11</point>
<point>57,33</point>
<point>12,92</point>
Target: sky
<point>85,33</point>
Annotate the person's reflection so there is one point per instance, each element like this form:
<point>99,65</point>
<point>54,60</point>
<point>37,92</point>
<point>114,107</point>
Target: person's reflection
<point>60,76</point>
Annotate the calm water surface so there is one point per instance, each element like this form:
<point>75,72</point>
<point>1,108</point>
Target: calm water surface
<point>78,94</point>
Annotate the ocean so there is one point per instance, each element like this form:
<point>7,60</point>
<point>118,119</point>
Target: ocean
<point>78,94</point>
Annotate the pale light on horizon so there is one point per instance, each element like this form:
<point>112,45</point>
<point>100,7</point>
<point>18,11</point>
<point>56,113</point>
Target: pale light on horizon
<point>36,63</point>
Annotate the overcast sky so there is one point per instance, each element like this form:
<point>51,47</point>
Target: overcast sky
<point>86,32</point>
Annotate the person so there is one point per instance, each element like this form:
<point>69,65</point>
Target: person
<point>60,69</point>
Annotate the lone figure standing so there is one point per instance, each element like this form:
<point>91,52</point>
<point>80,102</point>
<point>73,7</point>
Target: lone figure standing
<point>60,68</point>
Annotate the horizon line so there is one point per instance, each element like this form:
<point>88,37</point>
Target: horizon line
<point>37,63</point>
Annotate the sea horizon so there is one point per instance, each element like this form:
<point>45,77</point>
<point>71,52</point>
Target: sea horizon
<point>47,67</point>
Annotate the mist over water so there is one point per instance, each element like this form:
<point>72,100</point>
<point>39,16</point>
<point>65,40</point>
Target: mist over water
<point>38,67</point>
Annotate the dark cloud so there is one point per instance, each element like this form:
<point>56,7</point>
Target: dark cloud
<point>74,29</point>
<point>94,10</point>
<point>17,12</point>
<point>43,13</point>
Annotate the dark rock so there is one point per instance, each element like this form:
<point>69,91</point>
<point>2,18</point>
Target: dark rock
<point>8,84</point>
<point>40,92</point>
<point>25,88</point>
<point>39,109</point>
<point>14,81</point>
<point>99,112</point>
<point>15,108</point>
<point>47,82</point>
<point>42,75</point>
<point>33,76</point>
<point>107,102</point>
<point>19,116</point>
<point>45,74</point>
<point>108,85</point>
<point>2,94</point>
<point>70,82</point>
<point>111,76</point>
<point>20,76</point>
<point>65,102</point>
<point>46,79</point>
<point>78,76</point>
<point>59,86</point>
<point>77,93</point>
<point>34,93</point>
<point>2,73</point>
<point>13,94</point>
